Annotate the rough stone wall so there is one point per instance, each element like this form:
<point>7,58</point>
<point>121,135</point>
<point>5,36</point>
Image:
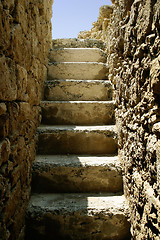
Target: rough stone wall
<point>25,37</point>
<point>133,47</point>
<point>134,50</point>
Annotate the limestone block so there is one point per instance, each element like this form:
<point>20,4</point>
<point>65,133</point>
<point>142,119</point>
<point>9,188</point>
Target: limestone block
<point>77,55</point>
<point>78,112</point>
<point>38,74</point>
<point>76,173</point>
<point>5,28</point>
<point>77,140</point>
<point>22,83</point>
<point>23,119</point>
<point>102,216</point>
<point>18,47</point>
<point>77,43</point>
<point>7,79</point>
<point>13,201</point>
<point>34,89</point>
<point>29,118</point>
<point>78,90</point>
<point>77,70</point>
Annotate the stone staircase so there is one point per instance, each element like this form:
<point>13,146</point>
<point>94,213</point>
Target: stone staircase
<point>77,180</point>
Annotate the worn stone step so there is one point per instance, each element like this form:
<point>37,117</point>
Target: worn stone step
<point>77,70</point>
<point>77,139</point>
<point>78,90</point>
<point>77,55</point>
<point>78,112</point>
<point>74,173</point>
<point>77,217</point>
<point>77,43</point>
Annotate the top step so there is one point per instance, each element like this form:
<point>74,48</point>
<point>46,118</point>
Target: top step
<point>77,55</point>
<point>77,43</point>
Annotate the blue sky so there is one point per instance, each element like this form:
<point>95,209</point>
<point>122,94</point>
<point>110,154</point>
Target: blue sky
<point>72,16</point>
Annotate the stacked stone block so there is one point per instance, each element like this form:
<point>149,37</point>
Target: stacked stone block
<point>25,38</point>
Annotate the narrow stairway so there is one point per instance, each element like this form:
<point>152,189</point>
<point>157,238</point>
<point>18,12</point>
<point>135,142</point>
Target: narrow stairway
<point>77,179</point>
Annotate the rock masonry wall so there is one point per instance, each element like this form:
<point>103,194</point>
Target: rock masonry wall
<point>25,37</point>
<point>133,46</point>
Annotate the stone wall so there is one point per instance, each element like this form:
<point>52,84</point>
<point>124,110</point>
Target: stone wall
<point>133,47</point>
<point>25,37</point>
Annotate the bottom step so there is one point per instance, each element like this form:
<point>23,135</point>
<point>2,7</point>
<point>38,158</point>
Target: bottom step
<point>77,217</point>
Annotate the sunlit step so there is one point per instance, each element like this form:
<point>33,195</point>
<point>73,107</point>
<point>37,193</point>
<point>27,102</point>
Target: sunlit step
<point>77,55</point>
<point>77,139</point>
<point>79,216</point>
<point>77,173</point>
<point>78,90</point>
<point>77,70</point>
<point>78,112</point>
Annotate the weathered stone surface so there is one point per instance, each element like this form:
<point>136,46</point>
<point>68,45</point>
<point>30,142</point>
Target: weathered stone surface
<point>133,50</point>
<point>73,173</point>
<point>78,90</point>
<point>77,55</point>
<point>102,216</point>
<point>77,43</point>
<point>78,112</point>
<point>25,38</point>
<point>7,79</point>
<point>77,140</point>
<point>77,70</point>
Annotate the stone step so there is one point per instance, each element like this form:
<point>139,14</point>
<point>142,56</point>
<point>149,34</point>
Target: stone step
<point>74,173</point>
<point>77,43</point>
<point>78,112</point>
<point>77,217</point>
<point>77,55</point>
<point>77,70</point>
<point>77,139</point>
<point>78,90</point>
